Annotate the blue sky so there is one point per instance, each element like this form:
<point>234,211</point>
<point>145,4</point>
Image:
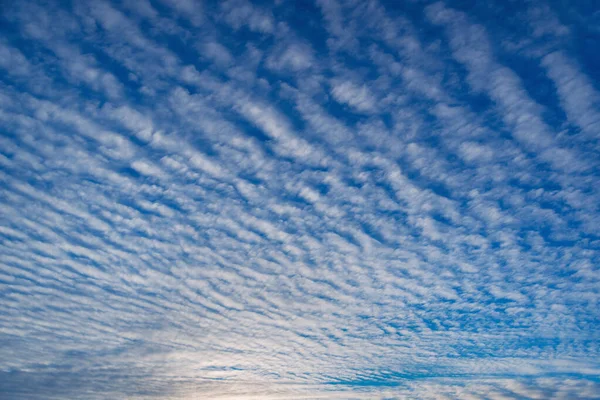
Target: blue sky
<point>299,200</point>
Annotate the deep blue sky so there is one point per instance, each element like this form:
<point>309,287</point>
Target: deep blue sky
<point>299,200</point>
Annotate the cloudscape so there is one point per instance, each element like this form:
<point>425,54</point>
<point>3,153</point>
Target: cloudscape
<point>280,199</point>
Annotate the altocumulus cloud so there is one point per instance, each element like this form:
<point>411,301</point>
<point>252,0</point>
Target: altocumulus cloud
<point>299,200</point>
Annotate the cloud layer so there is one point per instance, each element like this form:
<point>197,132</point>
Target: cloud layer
<point>338,199</point>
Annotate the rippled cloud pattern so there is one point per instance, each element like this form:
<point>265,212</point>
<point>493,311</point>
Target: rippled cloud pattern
<point>330,199</point>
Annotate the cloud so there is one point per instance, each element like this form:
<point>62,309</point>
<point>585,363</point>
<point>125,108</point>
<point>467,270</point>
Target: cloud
<point>578,96</point>
<point>238,13</point>
<point>294,57</point>
<point>356,96</point>
<point>188,9</point>
<point>318,201</point>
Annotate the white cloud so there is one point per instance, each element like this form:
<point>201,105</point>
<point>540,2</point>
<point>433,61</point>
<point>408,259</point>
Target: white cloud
<point>578,96</point>
<point>229,232</point>
<point>294,57</point>
<point>238,13</point>
<point>357,96</point>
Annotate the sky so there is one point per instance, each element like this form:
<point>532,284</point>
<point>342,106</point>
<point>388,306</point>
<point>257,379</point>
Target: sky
<point>330,199</point>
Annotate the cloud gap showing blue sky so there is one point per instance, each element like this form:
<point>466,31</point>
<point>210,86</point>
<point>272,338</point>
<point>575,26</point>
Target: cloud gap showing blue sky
<point>330,199</point>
